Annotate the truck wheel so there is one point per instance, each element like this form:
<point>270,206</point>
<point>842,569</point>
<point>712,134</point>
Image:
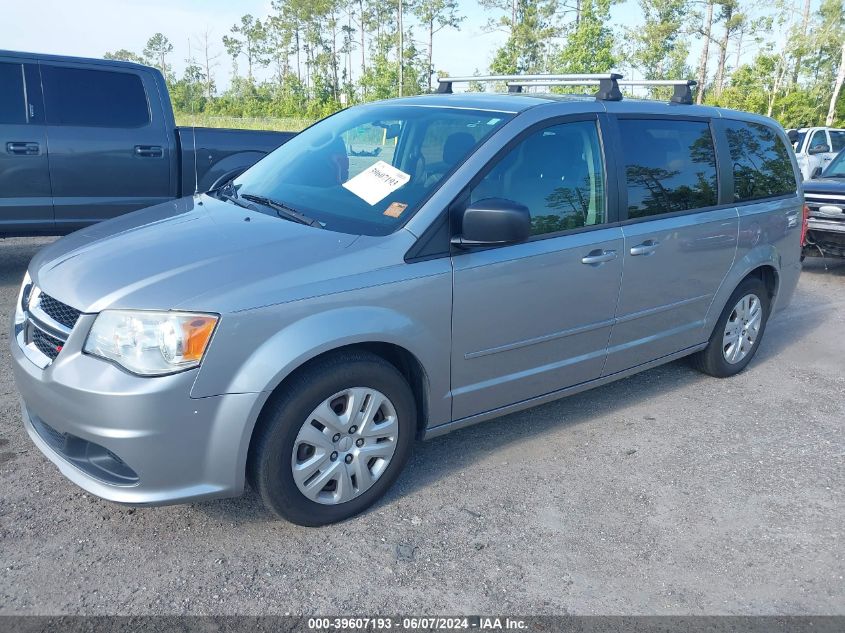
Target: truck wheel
<point>738,332</point>
<point>334,441</point>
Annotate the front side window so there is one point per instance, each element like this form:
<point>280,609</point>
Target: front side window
<point>94,98</point>
<point>12,101</point>
<point>557,172</point>
<point>761,164</point>
<point>818,140</point>
<point>366,170</point>
<point>669,166</point>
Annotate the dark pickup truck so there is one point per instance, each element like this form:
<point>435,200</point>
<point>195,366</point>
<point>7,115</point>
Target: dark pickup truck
<point>83,140</point>
<point>824,194</point>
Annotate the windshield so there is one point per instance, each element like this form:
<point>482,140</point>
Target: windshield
<point>836,167</point>
<point>366,169</point>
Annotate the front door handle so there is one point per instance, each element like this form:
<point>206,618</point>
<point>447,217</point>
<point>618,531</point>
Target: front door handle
<point>23,147</point>
<point>646,248</point>
<point>149,151</point>
<point>598,256</point>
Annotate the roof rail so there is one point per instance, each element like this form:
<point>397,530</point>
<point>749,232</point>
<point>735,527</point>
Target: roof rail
<point>682,93</point>
<point>608,90</point>
<point>608,84</point>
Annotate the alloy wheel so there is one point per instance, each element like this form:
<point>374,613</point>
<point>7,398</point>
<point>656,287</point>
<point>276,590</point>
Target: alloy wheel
<point>742,328</point>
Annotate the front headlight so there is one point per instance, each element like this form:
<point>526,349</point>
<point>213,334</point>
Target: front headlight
<point>151,343</point>
<point>23,299</point>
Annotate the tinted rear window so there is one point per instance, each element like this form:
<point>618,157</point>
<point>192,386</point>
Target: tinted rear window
<point>96,98</point>
<point>669,166</point>
<point>761,164</point>
<point>837,140</point>
<point>12,102</point>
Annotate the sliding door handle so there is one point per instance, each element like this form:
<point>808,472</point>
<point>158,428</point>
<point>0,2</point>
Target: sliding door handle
<point>646,248</point>
<point>598,256</point>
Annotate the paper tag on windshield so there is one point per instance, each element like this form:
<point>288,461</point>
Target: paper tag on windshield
<point>377,182</point>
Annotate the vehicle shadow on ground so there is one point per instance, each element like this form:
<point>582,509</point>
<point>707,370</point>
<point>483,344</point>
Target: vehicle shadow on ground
<point>818,266</point>
<point>15,255</point>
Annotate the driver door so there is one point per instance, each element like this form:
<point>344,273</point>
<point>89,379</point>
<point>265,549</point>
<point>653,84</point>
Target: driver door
<point>533,318</point>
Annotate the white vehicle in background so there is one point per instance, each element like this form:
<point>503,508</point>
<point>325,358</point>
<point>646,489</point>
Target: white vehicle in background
<point>815,147</point>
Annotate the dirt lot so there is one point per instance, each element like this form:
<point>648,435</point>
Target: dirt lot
<point>667,493</point>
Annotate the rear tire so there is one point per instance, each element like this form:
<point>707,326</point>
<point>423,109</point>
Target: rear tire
<point>301,440</point>
<point>738,331</point>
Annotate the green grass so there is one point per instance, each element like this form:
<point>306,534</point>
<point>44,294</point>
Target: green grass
<point>288,124</point>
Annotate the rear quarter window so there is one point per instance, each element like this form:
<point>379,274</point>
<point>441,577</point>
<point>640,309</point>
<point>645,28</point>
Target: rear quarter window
<point>761,164</point>
<point>94,98</point>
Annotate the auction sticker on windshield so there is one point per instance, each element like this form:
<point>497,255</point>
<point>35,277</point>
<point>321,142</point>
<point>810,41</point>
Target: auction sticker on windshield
<point>377,182</point>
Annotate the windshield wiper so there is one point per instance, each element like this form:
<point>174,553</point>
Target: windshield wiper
<point>283,210</point>
<point>229,193</point>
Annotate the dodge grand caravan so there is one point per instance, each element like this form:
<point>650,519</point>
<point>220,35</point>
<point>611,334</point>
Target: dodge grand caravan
<point>399,270</point>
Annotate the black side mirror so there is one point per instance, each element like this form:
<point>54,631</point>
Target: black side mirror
<point>818,149</point>
<point>792,135</point>
<point>492,222</point>
<point>816,173</point>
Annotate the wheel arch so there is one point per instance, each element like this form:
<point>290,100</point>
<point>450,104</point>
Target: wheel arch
<point>399,357</point>
<point>761,263</point>
<point>405,362</point>
<point>228,167</point>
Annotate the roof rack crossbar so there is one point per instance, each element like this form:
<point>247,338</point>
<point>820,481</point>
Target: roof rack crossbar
<point>682,93</point>
<point>606,82</point>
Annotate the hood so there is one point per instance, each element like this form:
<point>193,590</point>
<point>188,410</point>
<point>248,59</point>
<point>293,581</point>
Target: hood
<point>191,253</point>
<point>825,185</point>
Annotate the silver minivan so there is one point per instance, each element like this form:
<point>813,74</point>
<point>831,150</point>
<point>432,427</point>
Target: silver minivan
<point>396,271</point>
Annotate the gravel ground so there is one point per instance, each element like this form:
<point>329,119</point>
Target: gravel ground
<point>665,493</point>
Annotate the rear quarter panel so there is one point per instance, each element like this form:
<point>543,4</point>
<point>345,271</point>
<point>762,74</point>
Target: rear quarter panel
<point>769,235</point>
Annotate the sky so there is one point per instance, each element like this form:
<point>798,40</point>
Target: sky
<point>89,28</point>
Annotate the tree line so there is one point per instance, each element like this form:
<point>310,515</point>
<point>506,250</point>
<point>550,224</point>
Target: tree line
<point>309,58</point>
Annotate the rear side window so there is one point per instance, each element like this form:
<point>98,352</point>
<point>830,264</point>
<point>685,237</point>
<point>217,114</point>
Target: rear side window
<point>669,166</point>
<point>761,164</point>
<point>837,140</point>
<point>12,101</point>
<point>94,98</point>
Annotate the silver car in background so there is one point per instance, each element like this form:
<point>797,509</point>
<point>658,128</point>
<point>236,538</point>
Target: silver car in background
<point>399,270</point>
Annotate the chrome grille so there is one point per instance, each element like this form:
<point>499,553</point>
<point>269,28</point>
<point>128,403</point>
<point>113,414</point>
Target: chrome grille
<point>829,207</point>
<point>47,327</point>
<point>58,311</point>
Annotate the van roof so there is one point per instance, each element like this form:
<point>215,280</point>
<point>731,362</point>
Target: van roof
<point>519,102</point>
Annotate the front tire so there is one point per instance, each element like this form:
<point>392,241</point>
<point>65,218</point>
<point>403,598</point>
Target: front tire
<point>738,331</point>
<point>333,442</point>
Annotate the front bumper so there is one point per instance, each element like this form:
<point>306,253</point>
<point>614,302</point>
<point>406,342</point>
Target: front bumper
<point>140,441</point>
<point>825,236</point>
